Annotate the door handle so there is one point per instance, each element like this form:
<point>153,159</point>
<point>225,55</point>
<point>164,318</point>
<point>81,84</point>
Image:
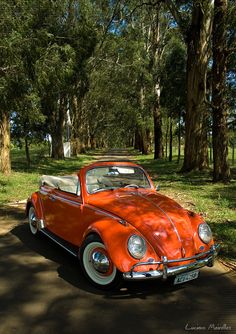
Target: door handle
<point>52,198</point>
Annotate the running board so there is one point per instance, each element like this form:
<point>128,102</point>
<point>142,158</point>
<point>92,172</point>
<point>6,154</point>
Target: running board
<point>73,250</point>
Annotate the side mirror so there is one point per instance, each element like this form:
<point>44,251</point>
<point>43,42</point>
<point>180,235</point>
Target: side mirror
<point>158,187</point>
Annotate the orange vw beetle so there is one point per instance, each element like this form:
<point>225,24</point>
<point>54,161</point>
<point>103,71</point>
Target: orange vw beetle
<point>112,218</point>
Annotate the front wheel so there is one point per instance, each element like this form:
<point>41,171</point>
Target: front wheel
<point>33,224</point>
<point>97,264</point>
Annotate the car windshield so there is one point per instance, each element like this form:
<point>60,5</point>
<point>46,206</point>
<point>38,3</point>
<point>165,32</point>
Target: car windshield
<point>113,177</point>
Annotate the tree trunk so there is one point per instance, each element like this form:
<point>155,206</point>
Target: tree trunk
<point>79,133</point>
<point>158,146</point>
<point>232,154</point>
<point>145,141</point>
<point>155,63</point>
<point>210,150</point>
<point>179,138</point>
<point>221,170</point>
<point>137,145</point>
<point>5,143</point>
<point>198,42</point>
<point>27,154</point>
<point>171,140</point>
<point>166,137</point>
<point>58,131</point>
<point>92,141</point>
<point>142,127</point>
<point>75,140</point>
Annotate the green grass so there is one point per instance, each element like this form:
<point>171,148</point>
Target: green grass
<point>194,191</point>
<point>23,181</point>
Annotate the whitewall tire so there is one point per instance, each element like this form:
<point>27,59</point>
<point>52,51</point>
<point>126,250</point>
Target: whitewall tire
<point>97,264</point>
<point>33,223</point>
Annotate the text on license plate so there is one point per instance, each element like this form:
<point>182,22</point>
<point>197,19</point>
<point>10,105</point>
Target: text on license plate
<point>186,277</point>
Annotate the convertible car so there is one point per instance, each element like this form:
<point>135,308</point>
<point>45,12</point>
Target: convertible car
<point>115,221</point>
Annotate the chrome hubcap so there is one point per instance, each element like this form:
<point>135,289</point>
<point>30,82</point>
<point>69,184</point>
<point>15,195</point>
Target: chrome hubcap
<point>33,221</point>
<point>100,262</point>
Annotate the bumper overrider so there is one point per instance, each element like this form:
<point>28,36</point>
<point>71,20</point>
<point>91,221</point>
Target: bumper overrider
<point>201,260</point>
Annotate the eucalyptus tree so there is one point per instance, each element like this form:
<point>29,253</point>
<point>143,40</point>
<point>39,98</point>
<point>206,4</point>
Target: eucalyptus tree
<point>28,123</point>
<point>195,19</point>
<point>173,94</point>
<point>219,103</point>
<point>150,25</point>
<point>62,42</point>
<point>223,84</point>
<point>111,102</point>
<point>10,74</point>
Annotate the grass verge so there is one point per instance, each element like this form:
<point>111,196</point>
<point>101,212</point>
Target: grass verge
<point>195,191</point>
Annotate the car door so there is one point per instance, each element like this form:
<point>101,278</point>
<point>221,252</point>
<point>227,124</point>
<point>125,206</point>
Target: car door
<point>62,212</point>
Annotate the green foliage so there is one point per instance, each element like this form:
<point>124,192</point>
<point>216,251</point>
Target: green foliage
<point>174,76</point>
<point>44,49</point>
<point>96,58</point>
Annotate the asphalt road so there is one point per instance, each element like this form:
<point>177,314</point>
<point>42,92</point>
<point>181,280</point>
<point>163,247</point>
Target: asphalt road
<point>42,290</point>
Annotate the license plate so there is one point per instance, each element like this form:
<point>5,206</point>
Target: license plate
<point>186,277</point>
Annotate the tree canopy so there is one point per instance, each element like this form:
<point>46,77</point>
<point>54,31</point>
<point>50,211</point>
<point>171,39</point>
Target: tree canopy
<point>102,73</point>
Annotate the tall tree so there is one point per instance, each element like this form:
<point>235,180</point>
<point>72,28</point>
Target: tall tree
<point>156,49</point>
<point>62,42</point>
<point>219,105</point>
<point>173,96</point>
<point>197,34</point>
<point>10,67</point>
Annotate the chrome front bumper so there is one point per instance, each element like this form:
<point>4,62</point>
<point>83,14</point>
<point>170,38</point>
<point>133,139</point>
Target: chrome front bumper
<point>208,260</point>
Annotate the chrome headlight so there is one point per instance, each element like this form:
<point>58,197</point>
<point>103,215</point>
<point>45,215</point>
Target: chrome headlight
<point>136,246</point>
<point>204,232</point>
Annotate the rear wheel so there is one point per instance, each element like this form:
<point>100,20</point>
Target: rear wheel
<point>97,264</point>
<point>33,224</point>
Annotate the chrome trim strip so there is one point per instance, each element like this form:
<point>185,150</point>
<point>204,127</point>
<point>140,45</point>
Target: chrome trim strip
<point>54,196</point>
<point>66,200</point>
<point>58,243</point>
<point>170,271</point>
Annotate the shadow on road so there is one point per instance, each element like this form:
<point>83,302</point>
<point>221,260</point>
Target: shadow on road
<point>69,268</point>
<point>42,290</point>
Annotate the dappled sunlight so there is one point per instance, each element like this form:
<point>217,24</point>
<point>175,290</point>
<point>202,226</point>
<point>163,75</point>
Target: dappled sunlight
<point>43,290</point>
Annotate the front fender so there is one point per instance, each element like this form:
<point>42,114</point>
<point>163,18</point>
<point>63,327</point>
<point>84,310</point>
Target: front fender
<point>196,220</point>
<point>115,237</point>
<point>35,201</point>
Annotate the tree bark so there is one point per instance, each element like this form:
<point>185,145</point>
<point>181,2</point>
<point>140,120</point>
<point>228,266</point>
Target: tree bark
<point>58,131</point>
<point>233,154</point>
<point>166,137</point>
<point>27,154</point>
<point>221,170</point>
<point>92,141</point>
<point>5,143</point>
<point>179,138</point>
<point>155,62</point>
<point>79,133</point>
<point>171,140</point>
<point>198,42</point>
<point>157,119</point>
<point>137,145</point>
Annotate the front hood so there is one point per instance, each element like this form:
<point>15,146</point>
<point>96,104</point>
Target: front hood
<point>163,222</point>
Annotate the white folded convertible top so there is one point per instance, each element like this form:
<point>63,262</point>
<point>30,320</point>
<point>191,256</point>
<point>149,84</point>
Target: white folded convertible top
<point>67,183</point>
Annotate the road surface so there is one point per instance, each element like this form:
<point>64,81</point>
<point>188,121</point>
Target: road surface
<point>42,290</point>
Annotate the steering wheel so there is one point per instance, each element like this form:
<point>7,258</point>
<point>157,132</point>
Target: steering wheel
<point>131,186</point>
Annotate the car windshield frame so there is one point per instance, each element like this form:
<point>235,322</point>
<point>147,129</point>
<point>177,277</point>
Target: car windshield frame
<point>97,184</point>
